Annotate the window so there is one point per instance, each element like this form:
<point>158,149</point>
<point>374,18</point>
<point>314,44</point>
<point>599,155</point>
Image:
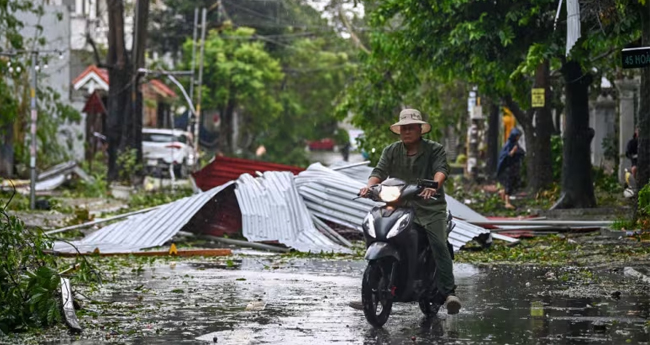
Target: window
<point>163,138</point>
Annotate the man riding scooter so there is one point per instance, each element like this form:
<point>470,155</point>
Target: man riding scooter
<point>410,159</point>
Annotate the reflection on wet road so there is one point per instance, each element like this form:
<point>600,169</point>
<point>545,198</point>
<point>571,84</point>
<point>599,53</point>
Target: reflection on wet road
<point>306,303</point>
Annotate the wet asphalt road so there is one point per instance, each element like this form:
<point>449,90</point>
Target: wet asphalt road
<point>304,301</point>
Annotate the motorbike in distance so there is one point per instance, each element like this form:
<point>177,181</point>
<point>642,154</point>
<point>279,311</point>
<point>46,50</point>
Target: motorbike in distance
<point>400,262</point>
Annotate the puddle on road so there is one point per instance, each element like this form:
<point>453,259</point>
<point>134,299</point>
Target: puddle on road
<point>305,302</point>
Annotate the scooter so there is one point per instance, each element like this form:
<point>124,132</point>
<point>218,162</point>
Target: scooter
<point>400,263</point>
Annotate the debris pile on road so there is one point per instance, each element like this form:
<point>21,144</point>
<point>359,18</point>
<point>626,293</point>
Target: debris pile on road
<point>299,211</point>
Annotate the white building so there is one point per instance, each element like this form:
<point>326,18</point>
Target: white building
<point>66,26</point>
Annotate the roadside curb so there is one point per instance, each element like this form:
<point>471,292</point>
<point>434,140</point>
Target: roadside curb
<point>629,271</point>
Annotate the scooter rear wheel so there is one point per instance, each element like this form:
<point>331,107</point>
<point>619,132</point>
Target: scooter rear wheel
<point>375,294</point>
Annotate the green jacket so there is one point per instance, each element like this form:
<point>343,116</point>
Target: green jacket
<point>430,159</point>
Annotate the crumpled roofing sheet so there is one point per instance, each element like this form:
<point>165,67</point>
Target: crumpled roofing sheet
<point>272,209</point>
<point>329,195</point>
<point>145,230</point>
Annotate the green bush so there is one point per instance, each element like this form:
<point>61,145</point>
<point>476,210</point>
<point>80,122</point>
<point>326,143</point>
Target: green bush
<point>28,279</point>
<point>606,182</point>
<point>644,200</point>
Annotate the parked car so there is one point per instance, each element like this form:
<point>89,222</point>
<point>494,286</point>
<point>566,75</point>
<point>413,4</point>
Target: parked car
<point>326,144</point>
<point>162,148</point>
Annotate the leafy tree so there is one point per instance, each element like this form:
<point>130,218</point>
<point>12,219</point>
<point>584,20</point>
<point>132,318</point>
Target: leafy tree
<point>239,76</point>
<point>479,42</point>
<point>314,77</point>
<point>504,48</point>
<point>280,20</point>
<point>15,98</point>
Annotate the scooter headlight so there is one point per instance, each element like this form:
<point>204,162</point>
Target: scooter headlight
<point>389,193</point>
<point>369,225</point>
<point>400,225</point>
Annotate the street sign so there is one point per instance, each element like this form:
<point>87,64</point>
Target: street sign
<point>538,99</point>
<point>477,113</point>
<point>636,57</point>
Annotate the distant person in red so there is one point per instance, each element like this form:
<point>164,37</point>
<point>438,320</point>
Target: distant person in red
<point>632,151</point>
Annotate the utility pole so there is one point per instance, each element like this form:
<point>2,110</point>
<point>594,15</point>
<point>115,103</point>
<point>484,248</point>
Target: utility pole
<point>33,110</point>
<point>197,117</point>
<point>196,23</point>
<point>32,150</point>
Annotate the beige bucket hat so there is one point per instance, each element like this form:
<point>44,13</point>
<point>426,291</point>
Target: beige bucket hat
<point>410,117</point>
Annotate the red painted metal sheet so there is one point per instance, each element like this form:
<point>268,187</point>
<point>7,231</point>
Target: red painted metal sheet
<point>224,169</point>
<point>219,217</point>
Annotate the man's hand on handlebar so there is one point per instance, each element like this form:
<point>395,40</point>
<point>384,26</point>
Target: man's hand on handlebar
<point>428,193</point>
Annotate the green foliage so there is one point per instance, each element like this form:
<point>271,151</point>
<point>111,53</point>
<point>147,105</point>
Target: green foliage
<point>240,76</point>
<point>623,224</point>
<point>644,200</point>
<point>610,147</point>
<point>128,163</point>
<point>559,250</point>
<point>146,200</point>
<point>557,152</point>
<point>20,202</point>
<point>314,76</point>
<point>15,95</point>
<point>98,186</point>
<point>28,279</point>
<point>607,183</point>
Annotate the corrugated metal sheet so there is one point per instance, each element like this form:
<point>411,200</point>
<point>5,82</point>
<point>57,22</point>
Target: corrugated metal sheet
<point>464,232</point>
<point>50,179</point>
<point>462,211</point>
<point>272,209</point>
<point>225,169</point>
<point>359,173</point>
<point>329,195</point>
<point>145,230</point>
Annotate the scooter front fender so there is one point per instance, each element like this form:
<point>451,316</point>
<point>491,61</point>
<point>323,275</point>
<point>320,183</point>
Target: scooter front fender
<point>380,250</point>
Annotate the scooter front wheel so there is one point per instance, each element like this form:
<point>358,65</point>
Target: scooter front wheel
<point>375,294</point>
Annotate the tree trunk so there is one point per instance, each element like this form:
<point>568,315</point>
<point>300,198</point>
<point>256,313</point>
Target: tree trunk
<point>539,155</point>
<point>124,121</point>
<point>226,128</point>
<point>7,150</point>
<point>577,186</point>
<point>140,44</point>
<point>539,174</point>
<point>120,79</point>
<point>493,141</point>
<point>643,164</point>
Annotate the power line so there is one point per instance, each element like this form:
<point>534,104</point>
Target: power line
<point>256,13</point>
